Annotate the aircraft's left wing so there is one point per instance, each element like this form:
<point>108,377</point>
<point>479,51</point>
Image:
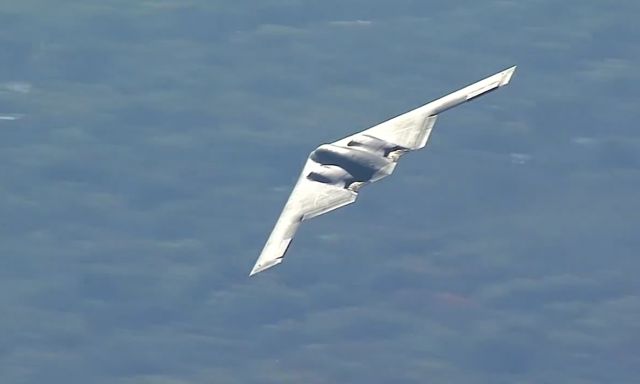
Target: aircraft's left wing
<point>307,200</point>
<point>411,130</point>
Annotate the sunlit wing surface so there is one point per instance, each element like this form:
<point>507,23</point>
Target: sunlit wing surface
<point>334,173</point>
<point>308,199</point>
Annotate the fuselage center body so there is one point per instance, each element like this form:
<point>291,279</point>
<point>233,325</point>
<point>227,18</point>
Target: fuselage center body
<point>360,164</point>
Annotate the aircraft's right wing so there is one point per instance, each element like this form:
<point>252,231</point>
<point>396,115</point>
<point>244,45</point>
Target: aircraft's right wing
<point>411,130</point>
<point>307,200</point>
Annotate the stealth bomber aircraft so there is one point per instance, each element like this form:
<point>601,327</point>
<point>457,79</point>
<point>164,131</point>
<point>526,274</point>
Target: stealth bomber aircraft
<point>334,173</point>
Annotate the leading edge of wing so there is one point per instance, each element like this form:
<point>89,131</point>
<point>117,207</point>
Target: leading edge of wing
<point>471,91</point>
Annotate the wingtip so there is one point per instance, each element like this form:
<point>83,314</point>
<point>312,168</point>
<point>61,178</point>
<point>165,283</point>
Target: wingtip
<point>259,267</point>
<point>506,75</point>
<point>256,269</point>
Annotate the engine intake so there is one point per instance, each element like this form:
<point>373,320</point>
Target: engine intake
<point>375,145</point>
<point>331,174</point>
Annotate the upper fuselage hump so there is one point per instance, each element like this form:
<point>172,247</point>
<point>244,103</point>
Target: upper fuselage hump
<point>360,163</point>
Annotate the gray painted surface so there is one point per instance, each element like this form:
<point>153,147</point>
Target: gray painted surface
<point>334,173</point>
<point>158,141</point>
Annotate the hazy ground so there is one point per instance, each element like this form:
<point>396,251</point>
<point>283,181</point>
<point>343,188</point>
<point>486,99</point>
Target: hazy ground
<point>147,147</point>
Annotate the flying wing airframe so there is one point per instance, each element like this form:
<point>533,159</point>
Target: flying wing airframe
<point>334,173</point>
